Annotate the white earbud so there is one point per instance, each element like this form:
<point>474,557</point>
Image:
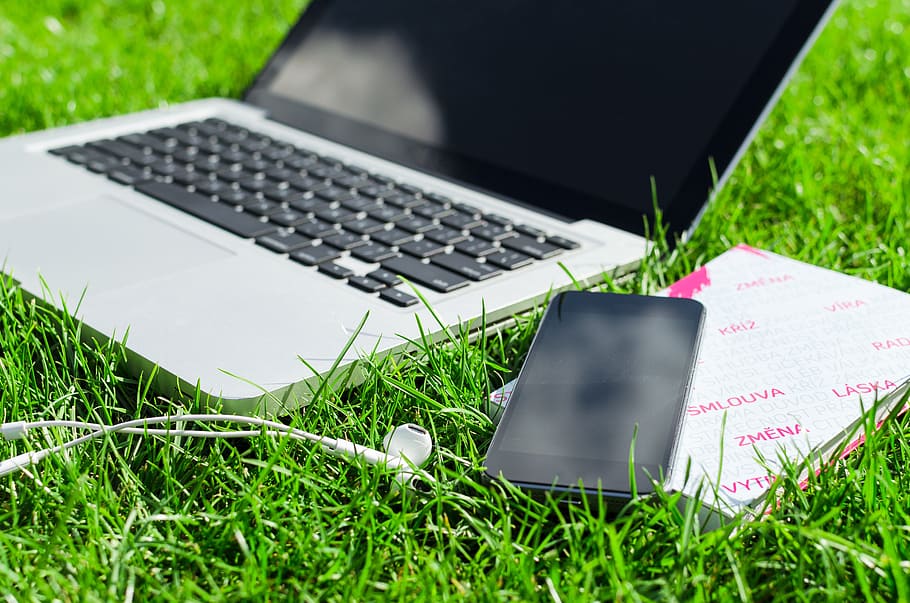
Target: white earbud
<point>406,447</point>
<point>411,443</point>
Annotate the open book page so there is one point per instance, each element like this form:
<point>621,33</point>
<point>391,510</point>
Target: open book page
<point>790,356</point>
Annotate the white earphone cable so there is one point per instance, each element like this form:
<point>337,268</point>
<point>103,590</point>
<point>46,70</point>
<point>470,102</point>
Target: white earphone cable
<point>19,429</point>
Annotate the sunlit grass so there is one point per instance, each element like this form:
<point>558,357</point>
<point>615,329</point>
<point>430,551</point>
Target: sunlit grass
<point>826,181</point>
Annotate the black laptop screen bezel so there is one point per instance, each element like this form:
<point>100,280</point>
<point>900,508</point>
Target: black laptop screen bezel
<point>679,212</point>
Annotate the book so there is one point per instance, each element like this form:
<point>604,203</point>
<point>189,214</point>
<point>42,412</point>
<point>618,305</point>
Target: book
<point>792,356</point>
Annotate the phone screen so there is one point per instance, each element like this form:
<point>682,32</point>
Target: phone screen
<point>604,371</point>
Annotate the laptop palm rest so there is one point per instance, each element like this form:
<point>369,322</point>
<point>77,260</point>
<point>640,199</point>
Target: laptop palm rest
<point>97,244</point>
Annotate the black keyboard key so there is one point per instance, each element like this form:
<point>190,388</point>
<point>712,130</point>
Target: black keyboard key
<point>262,207</point>
<point>308,204</point>
<point>389,279</point>
<point>81,155</point>
<point>508,259</point>
<point>423,248</point>
<point>128,175</point>
<point>492,232</point>
<point>212,147</point>
<point>299,161</point>
<point>365,283</point>
<point>316,229</point>
<point>284,241</point>
<point>335,214</point>
<point>230,173</point>
<point>234,156</point>
<point>415,224</point>
<point>284,195</point>
<point>392,237</point>
<point>402,200</point>
<point>399,298</point>
<point>364,225</point>
<point>102,166</point>
<point>167,134</point>
<point>349,180</point>
<point>475,247</point>
<point>372,252</point>
<point>207,163</point>
<point>186,155</point>
<point>356,170</point>
<point>211,187</point>
<point>467,209</point>
<point>315,254</point>
<point>529,230</point>
<point>445,235</point>
<point>434,277</point>
<point>335,193</point>
<point>161,167</point>
<point>288,217</point>
<point>277,151</point>
<point>409,189</point>
<point>257,185</point>
<point>321,170</point>
<point>344,240</point>
<point>374,190</point>
<point>242,224</point>
<point>144,141</point>
<point>64,151</point>
<point>187,177</point>
<point>257,165</point>
<point>251,144</point>
<point>122,150</point>
<point>431,210</point>
<point>308,183</point>
<point>360,204</point>
<point>235,196</point>
<point>335,270</point>
<point>465,266</point>
<point>563,242</point>
<point>382,179</point>
<point>531,246</point>
<point>461,221</point>
<point>437,198</point>
<point>281,174</point>
<point>386,213</point>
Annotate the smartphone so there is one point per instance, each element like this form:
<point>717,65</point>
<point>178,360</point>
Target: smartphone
<point>600,398</point>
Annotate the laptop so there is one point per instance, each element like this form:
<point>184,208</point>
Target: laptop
<point>395,168</point>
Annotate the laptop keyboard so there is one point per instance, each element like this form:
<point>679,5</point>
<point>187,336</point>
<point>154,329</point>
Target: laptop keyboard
<point>317,209</point>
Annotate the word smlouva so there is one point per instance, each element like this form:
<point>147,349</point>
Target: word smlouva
<point>733,401</point>
<point>770,433</point>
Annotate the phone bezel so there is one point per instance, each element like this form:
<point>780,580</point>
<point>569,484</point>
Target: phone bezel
<point>538,472</point>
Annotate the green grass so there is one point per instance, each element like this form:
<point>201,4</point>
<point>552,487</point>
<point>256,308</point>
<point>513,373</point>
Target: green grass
<point>130,518</point>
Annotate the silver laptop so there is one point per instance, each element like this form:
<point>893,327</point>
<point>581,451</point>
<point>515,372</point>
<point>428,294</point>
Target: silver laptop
<point>396,166</point>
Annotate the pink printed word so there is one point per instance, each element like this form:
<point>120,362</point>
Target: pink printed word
<point>759,482</point>
<point>738,327</point>
<point>770,433</point>
<point>863,388</point>
<point>897,342</point>
<point>733,402</point>
<point>846,305</point>
<point>764,282</point>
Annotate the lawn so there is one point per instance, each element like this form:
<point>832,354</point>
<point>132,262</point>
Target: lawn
<point>127,518</point>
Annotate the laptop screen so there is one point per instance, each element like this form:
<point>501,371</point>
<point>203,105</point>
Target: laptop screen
<point>569,107</point>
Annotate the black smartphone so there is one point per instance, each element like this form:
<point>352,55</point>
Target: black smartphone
<point>600,396</point>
